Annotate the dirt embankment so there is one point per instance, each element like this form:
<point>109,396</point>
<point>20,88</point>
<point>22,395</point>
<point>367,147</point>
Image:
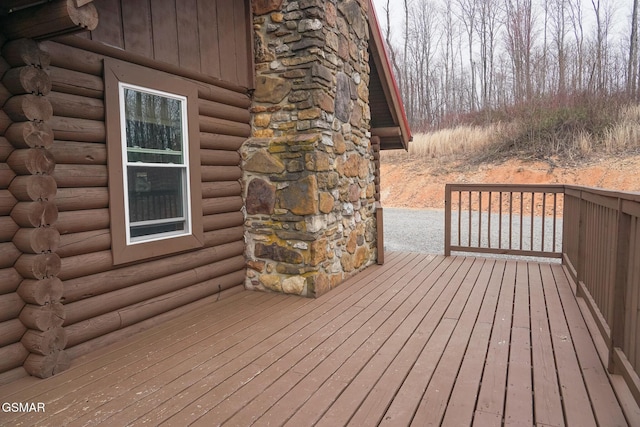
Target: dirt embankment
<point>419,183</point>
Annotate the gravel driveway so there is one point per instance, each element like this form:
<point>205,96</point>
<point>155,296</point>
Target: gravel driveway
<point>420,230</point>
<point>414,230</point>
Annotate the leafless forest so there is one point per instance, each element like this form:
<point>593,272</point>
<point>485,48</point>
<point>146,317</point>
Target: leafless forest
<point>482,61</point>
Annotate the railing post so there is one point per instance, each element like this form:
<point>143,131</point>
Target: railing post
<point>447,220</point>
<point>620,286</point>
<point>582,235</point>
<point>380,231</point>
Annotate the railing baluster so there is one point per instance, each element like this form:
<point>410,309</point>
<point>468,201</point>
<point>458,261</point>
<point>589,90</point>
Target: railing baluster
<point>469,239</point>
<point>479,219</point>
<point>500,221</point>
<point>459,218</point>
<point>544,216</point>
<point>510,220</point>
<point>489,221</point>
<point>533,207</point>
<point>555,218</point>
<point>521,217</point>
<point>448,211</point>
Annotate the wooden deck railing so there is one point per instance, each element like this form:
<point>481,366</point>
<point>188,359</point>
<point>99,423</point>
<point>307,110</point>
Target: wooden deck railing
<point>504,219</point>
<point>595,232</point>
<point>602,240</point>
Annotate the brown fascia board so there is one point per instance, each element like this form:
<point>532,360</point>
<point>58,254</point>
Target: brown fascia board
<point>389,84</point>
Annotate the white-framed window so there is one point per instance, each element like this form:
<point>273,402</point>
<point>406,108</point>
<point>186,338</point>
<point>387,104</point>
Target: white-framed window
<point>153,145</point>
<point>155,158</point>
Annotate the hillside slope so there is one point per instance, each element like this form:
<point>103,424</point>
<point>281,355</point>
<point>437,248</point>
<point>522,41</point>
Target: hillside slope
<point>419,183</point>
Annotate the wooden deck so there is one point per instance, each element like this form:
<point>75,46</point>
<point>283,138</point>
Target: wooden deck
<point>422,340</point>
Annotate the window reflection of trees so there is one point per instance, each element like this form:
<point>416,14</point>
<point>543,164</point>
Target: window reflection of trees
<point>153,122</point>
<point>154,135</point>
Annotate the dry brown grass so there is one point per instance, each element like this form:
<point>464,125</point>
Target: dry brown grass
<point>625,134</point>
<point>459,141</point>
<point>494,142</point>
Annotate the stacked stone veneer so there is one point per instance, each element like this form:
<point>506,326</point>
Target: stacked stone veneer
<point>309,170</point>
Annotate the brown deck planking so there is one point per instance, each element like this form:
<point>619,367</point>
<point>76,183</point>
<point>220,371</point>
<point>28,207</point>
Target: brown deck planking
<point>420,339</point>
<point>548,405</point>
<point>377,316</point>
<point>491,398</point>
<point>462,401</point>
<point>366,362</point>
<point>603,400</point>
<point>437,331</point>
<point>108,377</point>
<point>312,336</point>
<point>575,399</point>
<point>245,360</point>
<point>378,382</point>
<point>365,373</point>
<point>518,405</point>
<point>435,399</point>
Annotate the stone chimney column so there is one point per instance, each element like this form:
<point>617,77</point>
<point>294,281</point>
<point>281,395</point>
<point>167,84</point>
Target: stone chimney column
<point>309,179</point>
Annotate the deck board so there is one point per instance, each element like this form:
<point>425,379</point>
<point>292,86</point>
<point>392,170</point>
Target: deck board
<point>518,408</point>
<point>547,402</point>
<point>491,398</point>
<point>577,408</point>
<point>435,399</point>
<point>421,340</point>
<point>603,401</point>
<point>462,401</point>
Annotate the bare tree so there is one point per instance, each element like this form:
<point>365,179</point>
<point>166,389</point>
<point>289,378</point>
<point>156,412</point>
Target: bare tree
<point>519,45</point>
<point>426,40</point>
<point>405,76</point>
<point>632,70</point>
<point>449,60</point>
<point>390,48</point>
<point>603,11</point>
<point>558,23</point>
<point>467,14</point>
<point>456,57</point>
<point>488,29</point>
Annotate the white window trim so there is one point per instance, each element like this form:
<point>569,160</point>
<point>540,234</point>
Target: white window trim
<point>184,166</point>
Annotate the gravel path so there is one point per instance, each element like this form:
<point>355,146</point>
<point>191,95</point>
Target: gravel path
<point>414,230</point>
<point>419,230</point>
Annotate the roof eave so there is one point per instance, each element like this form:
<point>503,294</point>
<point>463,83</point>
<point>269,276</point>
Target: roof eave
<point>389,83</point>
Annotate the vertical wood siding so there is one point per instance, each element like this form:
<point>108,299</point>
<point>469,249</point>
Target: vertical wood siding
<point>207,36</point>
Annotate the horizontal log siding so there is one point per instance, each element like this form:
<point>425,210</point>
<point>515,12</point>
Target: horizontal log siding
<point>12,352</point>
<point>24,190</point>
<point>103,303</point>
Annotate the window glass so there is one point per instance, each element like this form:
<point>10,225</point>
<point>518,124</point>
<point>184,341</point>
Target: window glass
<point>154,127</point>
<point>156,164</point>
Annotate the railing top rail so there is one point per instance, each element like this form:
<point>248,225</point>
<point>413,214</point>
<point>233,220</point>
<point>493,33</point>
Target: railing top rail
<point>515,188</point>
<point>625,195</point>
<point>547,188</point>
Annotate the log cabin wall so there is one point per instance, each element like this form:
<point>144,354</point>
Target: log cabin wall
<point>33,339</point>
<point>12,351</point>
<point>101,302</point>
